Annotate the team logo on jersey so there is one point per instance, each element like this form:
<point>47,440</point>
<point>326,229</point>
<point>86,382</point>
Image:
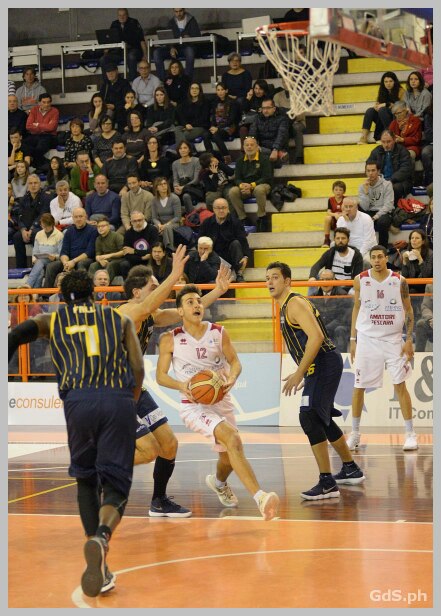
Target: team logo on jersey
<point>370,305</point>
<point>393,301</point>
<point>183,341</point>
<point>368,283</point>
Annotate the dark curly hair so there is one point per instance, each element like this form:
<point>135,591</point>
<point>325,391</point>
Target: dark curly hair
<point>76,286</point>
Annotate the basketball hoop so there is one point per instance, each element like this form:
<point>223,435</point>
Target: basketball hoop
<point>308,75</point>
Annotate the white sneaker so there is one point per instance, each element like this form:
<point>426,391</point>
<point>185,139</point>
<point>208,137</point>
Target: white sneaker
<point>269,505</point>
<point>411,442</point>
<point>225,494</point>
<point>353,441</point>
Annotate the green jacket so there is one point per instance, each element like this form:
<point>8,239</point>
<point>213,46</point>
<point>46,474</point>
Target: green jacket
<point>75,181</point>
<point>258,170</point>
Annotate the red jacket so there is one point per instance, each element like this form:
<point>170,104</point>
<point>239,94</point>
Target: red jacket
<point>47,123</point>
<point>412,133</point>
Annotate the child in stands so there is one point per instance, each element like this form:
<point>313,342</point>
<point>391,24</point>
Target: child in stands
<point>334,210</point>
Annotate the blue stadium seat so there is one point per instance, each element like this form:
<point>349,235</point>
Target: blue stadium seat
<point>12,70</point>
<point>250,200</point>
<point>411,227</point>
<point>250,229</point>
<point>198,140</point>
<point>209,56</point>
<point>92,63</point>
<point>60,148</point>
<point>42,177</point>
<point>72,65</point>
<point>65,119</point>
<point>419,191</point>
<point>18,272</point>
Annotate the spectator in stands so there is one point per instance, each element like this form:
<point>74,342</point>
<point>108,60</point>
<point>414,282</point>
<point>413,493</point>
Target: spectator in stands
<point>389,92</point>
<point>133,35</point>
<point>42,127</point>
<point>176,83</point>
<point>229,237</point>
<point>253,178</point>
<point>17,118</point>
<point>76,142</point>
<point>417,97</point>
<point>63,205</point>
<point>114,89</point>
<point>360,225</point>
<point>103,202</point>
<point>103,145</point>
<point>166,212</point>
<point>131,105</point>
<point>97,111</point>
<point>77,250</point>
<point>145,84</point>
<point>160,262</point>
<point>135,199</point>
<point>203,264</point>
<point>136,137</point>
<point>11,87</point>
<point>417,261</point>
<point>101,279</point>
<point>297,126</point>
<point>183,25</point>
<point>12,222</point>
<point>185,175</point>
<point>17,150</point>
<point>215,177</point>
<point>55,299</point>
<point>427,152</point>
<point>395,164</point>
<point>271,129</point>
<point>376,198</point>
<point>407,128</point>
<point>47,247</point>
<point>82,176</point>
<point>138,242</point>
<point>32,206</point>
<point>19,180</point>
<point>424,326</point>
<point>334,210</point>
<point>237,79</point>
<point>336,313</point>
<point>117,168</point>
<point>345,261</point>
<point>224,122</point>
<point>160,117</point>
<point>29,93</point>
<point>154,165</point>
<point>108,250</point>
<point>56,172</point>
<point>193,115</point>
<point>251,105</point>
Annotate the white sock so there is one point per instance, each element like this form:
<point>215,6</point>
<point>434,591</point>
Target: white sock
<point>257,495</point>
<point>409,425</point>
<point>356,424</point>
<point>220,484</point>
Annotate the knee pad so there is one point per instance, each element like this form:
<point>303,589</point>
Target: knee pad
<point>114,498</point>
<point>333,432</point>
<point>312,426</point>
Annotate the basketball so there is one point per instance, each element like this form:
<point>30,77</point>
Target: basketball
<point>206,387</point>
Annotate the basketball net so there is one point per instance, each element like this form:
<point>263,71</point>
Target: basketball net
<point>308,77</point>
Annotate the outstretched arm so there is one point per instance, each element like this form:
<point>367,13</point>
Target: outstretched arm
<point>28,331</point>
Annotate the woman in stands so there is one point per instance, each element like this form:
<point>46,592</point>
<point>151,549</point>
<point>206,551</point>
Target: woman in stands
<point>154,165</point>
<point>417,263</point>
<point>136,137</point>
<point>185,175</point>
<point>417,96</point>
<point>176,83</point>
<point>160,262</point>
<point>389,92</point>
<point>97,110</point>
<point>215,176</point>
<point>57,172</point>
<point>224,120</point>
<point>193,115</point>
<point>76,142</point>
<point>407,128</point>
<point>103,145</point>
<point>237,79</point>
<point>122,115</point>
<point>20,180</point>
<point>166,212</point>
<point>160,117</point>
<point>251,105</point>
<point>28,94</point>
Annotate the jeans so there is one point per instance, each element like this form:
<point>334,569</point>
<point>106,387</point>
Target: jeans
<point>36,274</point>
<point>381,118</point>
<point>162,53</point>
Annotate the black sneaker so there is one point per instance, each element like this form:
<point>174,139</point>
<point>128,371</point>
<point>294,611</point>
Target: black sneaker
<point>239,278</point>
<point>321,490</point>
<point>109,580</point>
<point>351,477</point>
<point>164,507</point>
<point>93,577</point>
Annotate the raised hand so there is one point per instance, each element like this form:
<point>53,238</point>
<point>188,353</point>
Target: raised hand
<point>223,278</point>
<point>179,261</point>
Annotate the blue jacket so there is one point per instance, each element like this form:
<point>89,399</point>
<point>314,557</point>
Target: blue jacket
<point>79,241</point>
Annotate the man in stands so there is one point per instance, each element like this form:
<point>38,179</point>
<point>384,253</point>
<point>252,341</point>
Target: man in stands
<point>17,118</point>
<point>360,225</point>
<point>376,198</point>
<point>253,178</point>
<point>132,34</point>
<point>183,25</point>
<point>344,261</point>
<point>395,164</point>
<point>136,198</point>
<point>117,168</point>
<point>29,93</point>
<point>82,176</point>
<point>42,124</point>
<point>203,264</point>
<point>271,129</point>
<point>114,89</point>
<point>103,202</point>
<point>229,237</point>
<point>30,209</point>
<point>138,242</point>
<point>145,84</point>
<point>108,250</point>
<point>297,125</point>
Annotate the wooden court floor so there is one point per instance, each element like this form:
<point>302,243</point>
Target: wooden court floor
<point>370,548</point>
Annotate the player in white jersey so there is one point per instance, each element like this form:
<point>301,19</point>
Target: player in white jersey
<point>381,309</point>
<point>196,346</point>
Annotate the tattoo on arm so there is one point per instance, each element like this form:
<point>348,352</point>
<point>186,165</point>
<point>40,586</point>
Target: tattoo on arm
<point>404,289</point>
<point>409,323</point>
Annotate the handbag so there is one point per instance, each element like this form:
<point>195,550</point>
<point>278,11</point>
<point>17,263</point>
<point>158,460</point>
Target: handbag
<point>195,218</point>
<point>196,192</point>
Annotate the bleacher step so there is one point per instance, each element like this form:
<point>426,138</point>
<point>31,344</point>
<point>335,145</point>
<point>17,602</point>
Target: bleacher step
<point>255,329</point>
<point>294,257</point>
<point>258,274</point>
<point>323,188</point>
<point>298,221</point>
<point>367,65</point>
<point>356,94</point>
<point>294,239</point>
<point>334,154</point>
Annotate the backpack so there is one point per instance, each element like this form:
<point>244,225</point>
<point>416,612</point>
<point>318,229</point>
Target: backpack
<point>195,218</point>
<point>411,205</point>
<point>410,210</point>
<point>184,235</point>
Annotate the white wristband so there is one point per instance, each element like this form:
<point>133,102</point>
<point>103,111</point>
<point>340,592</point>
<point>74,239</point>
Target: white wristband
<point>352,338</point>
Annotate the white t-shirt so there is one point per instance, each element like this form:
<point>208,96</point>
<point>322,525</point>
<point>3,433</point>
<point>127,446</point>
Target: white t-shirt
<point>362,231</point>
<point>342,264</point>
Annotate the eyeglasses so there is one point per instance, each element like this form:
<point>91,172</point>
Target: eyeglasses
<point>137,220</point>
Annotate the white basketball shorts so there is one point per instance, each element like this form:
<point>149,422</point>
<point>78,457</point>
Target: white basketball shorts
<point>372,355</point>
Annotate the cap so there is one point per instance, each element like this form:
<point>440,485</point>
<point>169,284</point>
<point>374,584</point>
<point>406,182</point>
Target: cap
<point>111,67</point>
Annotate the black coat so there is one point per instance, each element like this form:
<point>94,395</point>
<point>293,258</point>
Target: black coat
<point>202,272</point>
<point>401,162</point>
<point>223,234</point>
<point>327,259</point>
